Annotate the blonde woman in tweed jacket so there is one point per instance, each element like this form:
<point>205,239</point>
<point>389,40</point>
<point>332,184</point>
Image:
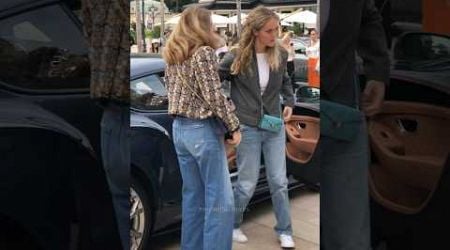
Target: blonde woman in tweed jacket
<point>201,111</point>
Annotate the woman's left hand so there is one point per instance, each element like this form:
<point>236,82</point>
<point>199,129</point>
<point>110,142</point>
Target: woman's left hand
<point>287,113</point>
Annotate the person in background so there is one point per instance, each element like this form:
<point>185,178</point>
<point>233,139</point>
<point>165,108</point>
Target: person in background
<point>313,53</point>
<point>222,50</point>
<point>201,114</point>
<point>283,31</point>
<point>156,42</point>
<point>288,45</point>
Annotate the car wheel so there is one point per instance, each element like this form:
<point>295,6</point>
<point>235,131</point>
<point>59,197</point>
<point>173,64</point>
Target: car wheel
<point>141,215</point>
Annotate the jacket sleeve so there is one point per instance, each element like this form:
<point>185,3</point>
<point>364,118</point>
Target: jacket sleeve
<point>206,74</point>
<point>286,90</point>
<point>225,66</point>
<point>372,46</point>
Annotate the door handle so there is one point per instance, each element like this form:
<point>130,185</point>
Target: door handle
<point>406,125</point>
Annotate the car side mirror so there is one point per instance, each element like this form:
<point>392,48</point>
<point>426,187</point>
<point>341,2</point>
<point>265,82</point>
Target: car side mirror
<point>307,94</point>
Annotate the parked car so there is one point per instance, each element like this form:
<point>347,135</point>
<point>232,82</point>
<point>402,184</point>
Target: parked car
<point>409,176</point>
<point>300,60</point>
<point>52,184</point>
<point>156,182</point>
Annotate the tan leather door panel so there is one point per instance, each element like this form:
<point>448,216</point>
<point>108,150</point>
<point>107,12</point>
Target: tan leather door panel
<point>410,142</point>
<point>302,137</point>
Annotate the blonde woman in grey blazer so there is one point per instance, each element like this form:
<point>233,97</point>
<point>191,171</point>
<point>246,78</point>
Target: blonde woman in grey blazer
<point>257,71</point>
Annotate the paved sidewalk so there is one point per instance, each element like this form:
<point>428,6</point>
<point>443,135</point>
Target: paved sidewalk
<point>259,222</point>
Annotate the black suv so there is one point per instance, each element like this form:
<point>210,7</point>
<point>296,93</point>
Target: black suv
<point>52,184</point>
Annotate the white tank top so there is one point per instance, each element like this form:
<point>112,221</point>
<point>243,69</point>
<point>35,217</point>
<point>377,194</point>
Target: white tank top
<point>263,70</point>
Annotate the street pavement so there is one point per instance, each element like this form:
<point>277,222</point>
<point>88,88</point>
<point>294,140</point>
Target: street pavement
<point>259,221</point>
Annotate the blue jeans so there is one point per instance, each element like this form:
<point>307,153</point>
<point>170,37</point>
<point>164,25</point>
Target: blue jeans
<point>207,207</point>
<point>248,162</point>
<point>344,194</point>
<point>115,149</point>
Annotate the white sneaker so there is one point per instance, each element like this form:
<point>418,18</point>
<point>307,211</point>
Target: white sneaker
<point>239,236</point>
<point>286,241</point>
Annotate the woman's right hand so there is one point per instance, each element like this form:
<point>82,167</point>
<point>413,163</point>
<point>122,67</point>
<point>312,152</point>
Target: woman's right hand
<point>235,138</point>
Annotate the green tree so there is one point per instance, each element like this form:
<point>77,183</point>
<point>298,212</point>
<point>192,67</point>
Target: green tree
<point>148,33</point>
<point>156,32</point>
<point>172,4</point>
<point>297,28</point>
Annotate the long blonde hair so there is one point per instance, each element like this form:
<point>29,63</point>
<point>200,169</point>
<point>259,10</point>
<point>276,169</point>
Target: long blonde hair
<point>255,20</point>
<point>192,31</point>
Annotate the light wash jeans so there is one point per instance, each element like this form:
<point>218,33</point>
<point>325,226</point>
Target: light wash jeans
<point>115,148</point>
<point>208,206</point>
<point>248,162</point>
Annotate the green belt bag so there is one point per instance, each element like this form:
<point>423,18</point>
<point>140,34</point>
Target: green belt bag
<point>270,123</point>
<point>339,121</point>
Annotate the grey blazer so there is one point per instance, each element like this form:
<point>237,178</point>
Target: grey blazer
<point>245,91</point>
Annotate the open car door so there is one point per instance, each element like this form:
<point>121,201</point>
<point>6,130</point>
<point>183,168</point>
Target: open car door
<point>302,135</point>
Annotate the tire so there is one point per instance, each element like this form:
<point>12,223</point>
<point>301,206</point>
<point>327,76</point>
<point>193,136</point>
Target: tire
<point>141,214</point>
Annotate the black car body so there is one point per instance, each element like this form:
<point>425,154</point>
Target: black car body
<point>52,183</point>
<point>156,180</point>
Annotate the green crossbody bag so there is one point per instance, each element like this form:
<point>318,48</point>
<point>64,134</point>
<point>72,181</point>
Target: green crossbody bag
<point>339,121</point>
<point>270,123</point>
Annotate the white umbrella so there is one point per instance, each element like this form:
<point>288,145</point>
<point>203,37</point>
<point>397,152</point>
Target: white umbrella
<point>218,19</point>
<point>310,25</point>
<point>284,23</point>
<point>173,20</point>
<point>302,17</point>
<point>281,15</point>
<point>233,19</point>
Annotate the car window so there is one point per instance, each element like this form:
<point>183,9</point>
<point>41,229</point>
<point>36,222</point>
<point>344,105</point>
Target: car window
<point>149,93</point>
<point>299,48</point>
<point>421,47</point>
<point>43,49</point>
<point>440,46</point>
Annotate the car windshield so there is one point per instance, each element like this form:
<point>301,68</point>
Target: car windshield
<point>37,54</point>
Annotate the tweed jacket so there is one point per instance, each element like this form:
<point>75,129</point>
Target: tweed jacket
<point>200,72</point>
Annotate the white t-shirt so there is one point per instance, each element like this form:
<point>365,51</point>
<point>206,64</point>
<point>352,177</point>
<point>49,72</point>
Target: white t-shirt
<point>291,54</point>
<point>263,70</point>
<point>313,51</point>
